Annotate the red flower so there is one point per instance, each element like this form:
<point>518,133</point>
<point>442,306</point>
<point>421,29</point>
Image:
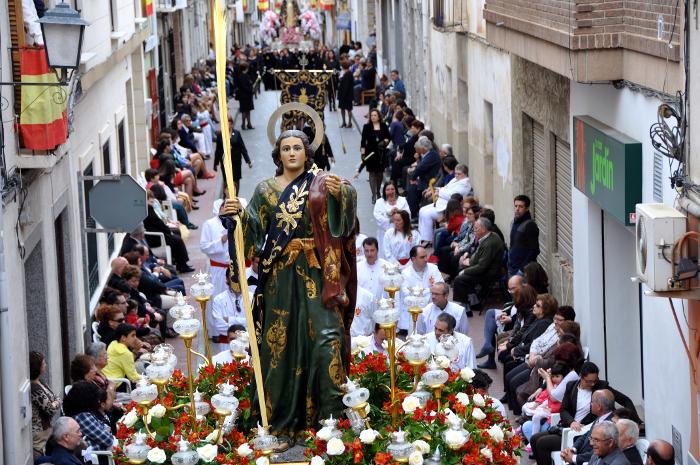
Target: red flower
<point>382,458</point>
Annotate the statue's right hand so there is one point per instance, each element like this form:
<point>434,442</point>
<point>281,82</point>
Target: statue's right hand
<point>232,206</point>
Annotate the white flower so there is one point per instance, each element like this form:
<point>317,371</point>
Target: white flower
<point>410,403</point>
<point>212,436</point>
<point>130,418</point>
<point>156,455</point>
<point>496,433</point>
<point>157,411</point>
<point>244,450</point>
<point>207,452</point>
<point>262,461</point>
<point>416,458</point>
<point>467,374</point>
<point>367,436</point>
<point>324,434</point>
<point>443,362</point>
<point>462,398</point>
<point>479,400</point>
<point>454,439</point>
<point>421,446</point>
<point>360,342</point>
<point>335,447</point>
<point>316,460</point>
<point>448,412</point>
<point>486,452</point>
<point>478,414</point>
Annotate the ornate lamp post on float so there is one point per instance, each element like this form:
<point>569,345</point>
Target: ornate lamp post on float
<point>202,292</point>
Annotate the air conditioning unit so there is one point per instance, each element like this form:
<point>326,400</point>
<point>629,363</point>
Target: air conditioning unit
<point>658,227</point>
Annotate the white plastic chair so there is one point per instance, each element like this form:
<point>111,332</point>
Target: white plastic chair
<point>123,397</point>
<point>162,250</point>
<point>95,460</point>
<point>567,440</point>
<point>168,209</point>
<point>95,335</point>
<point>586,352</point>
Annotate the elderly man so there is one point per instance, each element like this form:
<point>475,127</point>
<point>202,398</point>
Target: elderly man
<point>483,266</point>
<point>226,356</point>
<point>660,452</point>
<point>418,272</point>
<point>440,294</point>
<point>496,319</point>
<point>426,168</point>
<point>428,214</point>
<point>445,326</point>
<point>67,437</point>
<point>604,439</point>
<point>629,433</point>
<point>370,268</point>
<point>602,405</point>
<point>214,243</point>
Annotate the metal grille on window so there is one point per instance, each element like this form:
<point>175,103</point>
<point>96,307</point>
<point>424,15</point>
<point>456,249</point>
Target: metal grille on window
<point>658,177</point>
<point>562,160</point>
<point>539,188</point>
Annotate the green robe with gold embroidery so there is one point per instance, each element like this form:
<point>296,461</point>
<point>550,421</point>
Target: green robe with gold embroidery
<point>302,341</point>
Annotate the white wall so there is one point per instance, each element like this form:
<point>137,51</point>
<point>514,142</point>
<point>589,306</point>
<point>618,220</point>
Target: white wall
<point>666,378</point>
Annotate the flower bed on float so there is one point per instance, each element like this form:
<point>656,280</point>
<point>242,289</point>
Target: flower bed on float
<point>459,425</point>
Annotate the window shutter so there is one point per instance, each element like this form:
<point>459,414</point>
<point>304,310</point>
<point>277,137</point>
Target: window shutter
<point>539,188</point>
<point>563,192</point>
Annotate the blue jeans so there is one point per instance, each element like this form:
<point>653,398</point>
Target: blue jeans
<point>490,329</point>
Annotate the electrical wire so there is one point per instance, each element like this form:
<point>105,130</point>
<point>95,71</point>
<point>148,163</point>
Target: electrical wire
<point>691,362</point>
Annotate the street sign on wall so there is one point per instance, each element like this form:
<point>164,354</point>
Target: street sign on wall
<point>607,167</point>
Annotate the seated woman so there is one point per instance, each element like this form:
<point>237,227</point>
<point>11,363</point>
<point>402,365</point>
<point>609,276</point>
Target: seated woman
<point>87,404</point>
<point>153,223</point>
<point>400,239</point>
<point>453,223</point>
<point>110,317</point>
<point>182,179</point>
<point>121,362</point>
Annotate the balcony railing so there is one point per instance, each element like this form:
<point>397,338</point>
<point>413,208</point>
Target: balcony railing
<point>451,15</point>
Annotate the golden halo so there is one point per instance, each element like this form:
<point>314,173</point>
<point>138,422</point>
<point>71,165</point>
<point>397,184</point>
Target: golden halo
<point>296,106</point>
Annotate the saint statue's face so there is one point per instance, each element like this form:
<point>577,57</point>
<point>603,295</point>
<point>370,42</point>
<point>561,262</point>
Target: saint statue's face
<point>292,153</point>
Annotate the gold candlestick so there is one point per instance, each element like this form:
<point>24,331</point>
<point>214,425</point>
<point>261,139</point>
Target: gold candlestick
<point>190,379</point>
<point>203,305</point>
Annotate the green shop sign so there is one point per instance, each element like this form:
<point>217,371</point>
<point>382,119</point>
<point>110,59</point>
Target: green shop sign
<point>607,167</point>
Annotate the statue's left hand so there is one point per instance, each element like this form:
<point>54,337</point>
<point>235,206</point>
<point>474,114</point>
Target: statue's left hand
<point>333,182</point>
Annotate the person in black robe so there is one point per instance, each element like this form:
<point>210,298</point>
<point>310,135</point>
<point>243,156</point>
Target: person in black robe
<point>345,95</point>
<point>244,95</point>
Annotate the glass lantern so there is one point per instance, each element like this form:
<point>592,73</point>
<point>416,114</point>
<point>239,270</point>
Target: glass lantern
<point>386,314</point>
<point>187,325</point>
<point>184,455</point>
<point>239,345</point>
<point>160,370</point>
<point>435,459</point>
<point>137,451</point>
<point>225,402</point>
<point>421,394</point>
<point>330,426</point>
<point>455,436</point>
<point>448,346</point>
<point>356,397</point>
<point>144,393</point>
<point>392,278</point>
<point>168,352</point>
<point>203,288</point>
<point>229,423</point>
<point>264,441</point>
<point>181,306</point>
<point>415,301</point>
<point>435,377</point>
<point>399,448</point>
<point>416,350</point>
<point>200,407</point>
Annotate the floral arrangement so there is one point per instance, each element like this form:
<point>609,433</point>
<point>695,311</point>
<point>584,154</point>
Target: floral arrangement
<point>464,428</point>
<point>268,25</point>
<point>290,35</point>
<point>309,24</point>
<point>457,425</point>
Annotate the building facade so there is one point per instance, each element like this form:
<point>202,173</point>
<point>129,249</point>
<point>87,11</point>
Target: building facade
<point>514,88</point>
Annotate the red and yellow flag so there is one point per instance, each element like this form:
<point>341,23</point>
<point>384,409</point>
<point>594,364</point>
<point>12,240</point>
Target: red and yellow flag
<point>263,5</point>
<point>327,4</point>
<point>43,122</point>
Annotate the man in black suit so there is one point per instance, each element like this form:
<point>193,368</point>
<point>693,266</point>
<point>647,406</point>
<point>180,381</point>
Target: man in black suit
<point>629,433</point>
<point>543,444</point>
<point>239,152</point>
<point>602,405</point>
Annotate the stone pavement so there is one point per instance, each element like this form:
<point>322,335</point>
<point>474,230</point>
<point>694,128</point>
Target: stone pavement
<point>347,161</point>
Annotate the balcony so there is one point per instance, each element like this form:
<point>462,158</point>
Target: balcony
<point>590,40</point>
<point>170,6</point>
<point>450,15</point>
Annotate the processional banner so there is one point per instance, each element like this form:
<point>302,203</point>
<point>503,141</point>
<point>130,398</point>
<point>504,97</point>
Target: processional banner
<point>305,86</point>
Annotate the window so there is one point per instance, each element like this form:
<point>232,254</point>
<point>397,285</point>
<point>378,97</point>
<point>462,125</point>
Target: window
<point>90,238</point>
<point>121,141</point>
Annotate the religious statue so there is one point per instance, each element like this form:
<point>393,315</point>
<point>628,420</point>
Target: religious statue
<point>300,224</point>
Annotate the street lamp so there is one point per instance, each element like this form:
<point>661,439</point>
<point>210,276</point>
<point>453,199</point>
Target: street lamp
<point>63,30</point>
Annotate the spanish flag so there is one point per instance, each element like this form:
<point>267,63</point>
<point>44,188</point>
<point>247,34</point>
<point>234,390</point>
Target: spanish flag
<point>327,4</point>
<point>43,122</point>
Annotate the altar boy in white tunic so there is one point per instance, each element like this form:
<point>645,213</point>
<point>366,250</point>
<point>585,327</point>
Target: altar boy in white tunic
<point>226,310</point>
<point>445,325</point>
<point>371,268</point>
<point>362,323</point>
<point>429,213</point>
<point>440,293</point>
<point>214,243</point>
<point>417,272</point>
